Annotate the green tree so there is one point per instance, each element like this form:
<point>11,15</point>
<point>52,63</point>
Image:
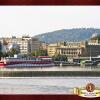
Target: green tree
<point>1,54</point>
<point>40,53</point>
<point>60,58</point>
<point>5,54</point>
<point>12,52</point>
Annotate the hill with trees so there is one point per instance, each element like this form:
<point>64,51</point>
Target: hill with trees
<point>70,35</point>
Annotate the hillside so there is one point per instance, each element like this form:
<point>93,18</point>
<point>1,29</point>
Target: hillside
<point>76,34</point>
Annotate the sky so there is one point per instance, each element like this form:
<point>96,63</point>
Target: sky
<point>34,20</point>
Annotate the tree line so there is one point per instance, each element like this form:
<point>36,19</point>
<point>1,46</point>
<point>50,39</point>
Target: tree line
<point>34,53</point>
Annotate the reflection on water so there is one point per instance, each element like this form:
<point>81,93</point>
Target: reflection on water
<point>44,85</point>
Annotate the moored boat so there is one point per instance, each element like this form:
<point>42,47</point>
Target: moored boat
<point>25,62</point>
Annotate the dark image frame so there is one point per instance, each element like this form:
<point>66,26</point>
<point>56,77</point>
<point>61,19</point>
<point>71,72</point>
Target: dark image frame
<point>50,3</point>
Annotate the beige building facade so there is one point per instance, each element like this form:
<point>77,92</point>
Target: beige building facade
<point>52,49</point>
<point>76,49</point>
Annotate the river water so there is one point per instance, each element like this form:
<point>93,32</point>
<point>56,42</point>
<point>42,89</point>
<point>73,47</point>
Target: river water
<point>44,85</point>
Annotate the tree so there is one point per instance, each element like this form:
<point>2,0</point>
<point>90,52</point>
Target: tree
<point>40,53</point>
<point>5,54</point>
<point>1,54</point>
<point>12,52</point>
<point>60,58</point>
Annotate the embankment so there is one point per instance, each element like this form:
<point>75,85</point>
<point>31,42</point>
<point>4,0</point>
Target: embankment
<point>49,73</point>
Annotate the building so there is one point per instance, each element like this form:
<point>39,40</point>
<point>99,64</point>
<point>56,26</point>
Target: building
<point>95,39</point>
<point>93,47</point>
<point>44,46</point>
<point>4,45</point>
<point>52,48</point>
<point>77,49</point>
<point>35,44</point>
<point>72,49</point>
<point>22,43</point>
<point>26,44</point>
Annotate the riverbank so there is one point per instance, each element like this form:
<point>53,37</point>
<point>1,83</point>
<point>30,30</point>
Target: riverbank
<point>51,72</point>
<point>48,73</point>
<point>57,68</point>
